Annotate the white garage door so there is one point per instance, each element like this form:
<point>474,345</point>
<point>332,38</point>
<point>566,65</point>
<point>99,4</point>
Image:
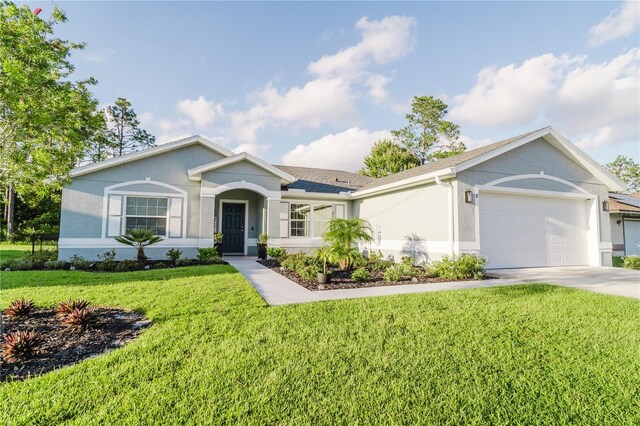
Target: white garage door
<point>631,237</point>
<point>520,231</point>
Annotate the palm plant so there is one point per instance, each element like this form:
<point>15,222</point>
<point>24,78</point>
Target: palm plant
<point>139,238</point>
<point>326,255</point>
<point>343,234</point>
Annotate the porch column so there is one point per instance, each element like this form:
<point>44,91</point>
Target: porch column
<point>207,214</point>
<point>273,220</point>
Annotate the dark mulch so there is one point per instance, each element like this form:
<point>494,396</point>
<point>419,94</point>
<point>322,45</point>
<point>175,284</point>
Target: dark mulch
<point>342,279</point>
<point>61,347</point>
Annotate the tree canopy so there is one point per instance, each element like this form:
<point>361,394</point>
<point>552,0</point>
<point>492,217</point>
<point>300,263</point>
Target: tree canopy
<point>627,170</point>
<point>428,135</point>
<point>387,158</point>
<point>46,117</point>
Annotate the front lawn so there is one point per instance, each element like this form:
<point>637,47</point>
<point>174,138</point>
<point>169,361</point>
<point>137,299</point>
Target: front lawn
<point>533,354</point>
<point>13,251</point>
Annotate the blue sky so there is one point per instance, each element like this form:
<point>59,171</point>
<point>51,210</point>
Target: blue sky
<point>316,84</point>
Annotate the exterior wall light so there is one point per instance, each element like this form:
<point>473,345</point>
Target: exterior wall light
<point>468,196</point>
<point>605,206</point>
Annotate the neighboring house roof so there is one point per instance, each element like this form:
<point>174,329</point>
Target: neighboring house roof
<point>323,180</point>
<point>196,172</point>
<point>460,162</point>
<point>624,203</point>
<point>127,158</point>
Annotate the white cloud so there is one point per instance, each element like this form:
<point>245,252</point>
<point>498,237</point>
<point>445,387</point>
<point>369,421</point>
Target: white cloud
<point>512,94</point>
<point>93,55</point>
<point>341,151</point>
<point>324,100</point>
<point>251,148</point>
<point>200,110</point>
<point>472,143</point>
<point>383,41</point>
<point>621,22</point>
<point>377,88</point>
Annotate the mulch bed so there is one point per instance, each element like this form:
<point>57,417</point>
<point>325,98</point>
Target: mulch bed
<point>62,347</point>
<point>342,279</point>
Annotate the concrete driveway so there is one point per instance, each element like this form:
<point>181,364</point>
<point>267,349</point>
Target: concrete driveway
<point>616,281</point>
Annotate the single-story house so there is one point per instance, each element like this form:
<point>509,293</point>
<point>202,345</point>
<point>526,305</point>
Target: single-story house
<point>531,200</point>
<point>624,211</point>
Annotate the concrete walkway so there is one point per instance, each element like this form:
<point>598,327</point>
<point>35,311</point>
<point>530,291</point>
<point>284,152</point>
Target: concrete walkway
<point>276,289</point>
<point>607,280</point>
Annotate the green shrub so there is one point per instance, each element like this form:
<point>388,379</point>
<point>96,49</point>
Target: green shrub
<point>394,273</point>
<point>208,253</point>
<point>19,265</point>
<point>41,256</point>
<point>216,260</point>
<point>107,261</point>
<point>173,255</point>
<point>128,265</point>
<point>305,266</point>
<point>184,262</point>
<point>56,264</point>
<point>276,252</point>
<point>79,262</point>
<point>631,262</point>
<point>361,274</point>
<point>463,267</point>
<point>159,265</point>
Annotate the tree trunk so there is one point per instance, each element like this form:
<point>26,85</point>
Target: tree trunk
<point>11,198</point>
<point>141,256</point>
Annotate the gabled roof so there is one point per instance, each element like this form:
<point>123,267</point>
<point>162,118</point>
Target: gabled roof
<point>127,158</point>
<point>196,172</point>
<point>324,180</point>
<point>457,163</point>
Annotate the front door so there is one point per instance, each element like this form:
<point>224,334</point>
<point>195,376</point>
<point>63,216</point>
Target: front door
<point>233,228</point>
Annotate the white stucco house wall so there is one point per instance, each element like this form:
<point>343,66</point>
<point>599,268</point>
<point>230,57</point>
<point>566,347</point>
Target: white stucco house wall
<point>532,200</point>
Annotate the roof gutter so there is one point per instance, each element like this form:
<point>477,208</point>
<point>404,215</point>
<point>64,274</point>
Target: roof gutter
<point>405,183</point>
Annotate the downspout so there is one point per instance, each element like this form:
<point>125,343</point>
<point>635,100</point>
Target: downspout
<point>450,186</point>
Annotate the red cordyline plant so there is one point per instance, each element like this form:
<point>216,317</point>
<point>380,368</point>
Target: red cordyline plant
<point>65,308</point>
<point>20,345</point>
<point>19,308</point>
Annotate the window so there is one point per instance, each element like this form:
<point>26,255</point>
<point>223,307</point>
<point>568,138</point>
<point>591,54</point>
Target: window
<point>147,213</point>
<point>306,219</point>
<point>322,214</point>
<point>300,220</point>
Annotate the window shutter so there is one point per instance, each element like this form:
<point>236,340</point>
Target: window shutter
<point>114,216</point>
<point>175,217</point>
<point>284,220</point>
<point>339,211</point>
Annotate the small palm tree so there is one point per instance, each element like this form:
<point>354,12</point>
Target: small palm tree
<point>139,238</point>
<point>343,234</point>
<point>325,255</point>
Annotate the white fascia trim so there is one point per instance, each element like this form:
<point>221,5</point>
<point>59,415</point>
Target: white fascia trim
<point>111,162</point>
<point>534,192</point>
<point>406,183</point>
<point>111,188</point>
<point>213,192</point>
<point>553,137</point>
<point>288,195</point>
<point>70,243</point>
<point>196,172</point>
<point>538,176</point>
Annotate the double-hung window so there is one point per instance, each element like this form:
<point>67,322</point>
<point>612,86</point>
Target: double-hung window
<point>299,219</point>
<point>147,213</point>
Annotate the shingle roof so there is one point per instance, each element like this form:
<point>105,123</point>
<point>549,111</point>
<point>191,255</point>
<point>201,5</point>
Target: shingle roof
<point>445,162</point>
<point>624,202</point>
<point>323,180</point>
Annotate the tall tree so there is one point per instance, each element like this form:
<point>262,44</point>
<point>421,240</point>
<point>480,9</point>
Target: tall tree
<point>123,133</point>
<point>428,135</point>
<point>627,171</point>
<point>387,158</point>
<point>46,117</point>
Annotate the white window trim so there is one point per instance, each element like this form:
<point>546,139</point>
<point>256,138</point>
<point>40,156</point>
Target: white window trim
<point>125,216</point>
<point>246,219</point>
<point>312,204</point>
<point>113,190</point>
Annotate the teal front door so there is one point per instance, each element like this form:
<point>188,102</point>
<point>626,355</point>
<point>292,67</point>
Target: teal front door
<point>233,228</point>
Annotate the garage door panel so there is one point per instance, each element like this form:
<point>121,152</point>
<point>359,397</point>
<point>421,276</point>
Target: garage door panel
<point>520,231</point>
<point>632,237</point>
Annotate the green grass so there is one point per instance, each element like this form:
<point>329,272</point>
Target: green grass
<point>13,251</point>
<point>534,354</point>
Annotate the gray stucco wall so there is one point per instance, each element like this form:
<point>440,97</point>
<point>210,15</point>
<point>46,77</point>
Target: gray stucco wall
<point>410,222</point>
<point>241,171</point>
<point>617,233</point>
